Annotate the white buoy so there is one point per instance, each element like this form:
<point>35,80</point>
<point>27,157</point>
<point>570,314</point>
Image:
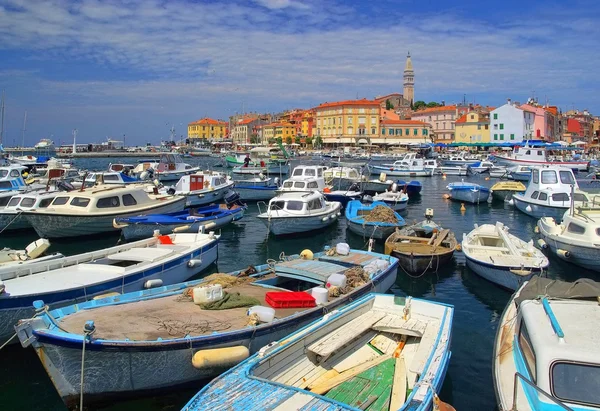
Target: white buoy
<point>153,283</point>
<point>543,245</point>
<point>563,253</point>
<point>194,262</point>
<point>528,209</point>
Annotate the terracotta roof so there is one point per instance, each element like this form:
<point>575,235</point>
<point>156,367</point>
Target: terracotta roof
<point>435,109</point>
<point>211,121</point>
<point>246,121</point>
<point>462,119</point>
<point>404,122</point>
<point>552,109</point>
<point>382,98</point>
<point>362,102</point>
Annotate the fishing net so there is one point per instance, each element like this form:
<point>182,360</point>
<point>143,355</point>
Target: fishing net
<point>231,300</point>
<point>180,328</point>
<point>381,214</point>
<point>356,276</point>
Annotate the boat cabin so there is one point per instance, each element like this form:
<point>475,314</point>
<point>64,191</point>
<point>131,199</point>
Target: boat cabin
<point>31,201</point>
<point>305,178</point>
<point>110,177</point>
<point>308,171</point>
<point>202,181</point>
<point>297,203</point>
<point>529,153</point>
<point>341,172</point>
<point>552,186</point>
<point>556,348</point>
<point>172,162</point>
<point>11,177</point>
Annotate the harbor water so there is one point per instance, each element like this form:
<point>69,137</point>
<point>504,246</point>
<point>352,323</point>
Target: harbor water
<point>24,384</point>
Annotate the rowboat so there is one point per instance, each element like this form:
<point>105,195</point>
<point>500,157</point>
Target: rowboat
<point>412,188</point>
<point>504,190</point>
<point>146,340</point>
<point>379,230</point>
<point>396,200</point>
<point>128,267</point>
<point>378,353</point>
<point>502,258</point>
<point>469,192</point>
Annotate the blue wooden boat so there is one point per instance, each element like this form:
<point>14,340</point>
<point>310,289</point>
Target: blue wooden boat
<point>187,221</point>
<point>257,189</point>
<point>344,361</point>
<point>469,192</point>
<point>145,340</point>
<point>355,214</point>
<point>412,188</point>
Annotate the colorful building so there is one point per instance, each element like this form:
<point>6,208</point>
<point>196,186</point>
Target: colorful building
<point>398,131</point>
<point>586,120</point>
<point>509,123</point>
<point>241,130</point>
<point>573,131</point>
<point>473,127</point>
<point>544,122</point>
<point>207,128</point>
<point>308,120</point>
<point>442,120</point>
<point>347,122</point>
<point>283,130</point>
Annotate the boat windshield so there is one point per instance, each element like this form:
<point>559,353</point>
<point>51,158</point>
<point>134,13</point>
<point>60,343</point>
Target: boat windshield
<point>28,202</point>
<point>549,177</point>
<point>287,184</point>
<point>3,173</point>
<point>295,205</point>
<point>576,383</point>
<point>14,201</point>
<point>566,177</point>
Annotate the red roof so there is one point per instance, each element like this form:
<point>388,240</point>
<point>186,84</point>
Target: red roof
<point>574,126</point>
<point>209,121</point>
<point>462,119</point>
<point>552,109</point>
<point>246,121</point>
<point>434,109</point>
<point>362,102</point>
<point>387,96</point>
<point>404,123</point>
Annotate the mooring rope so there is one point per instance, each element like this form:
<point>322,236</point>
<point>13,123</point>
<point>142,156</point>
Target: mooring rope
<point>88,330</point>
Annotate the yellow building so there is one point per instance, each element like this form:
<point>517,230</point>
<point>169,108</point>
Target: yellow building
<point>308,121</point>
<point>279,130</point>
<point>347,122</point>
<point>207,128</point>
<point>472,127</point>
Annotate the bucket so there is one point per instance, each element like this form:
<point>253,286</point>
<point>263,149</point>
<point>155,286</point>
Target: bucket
<point>336,280</point>
<point>207,294</point>
<point>265,314</point>
<point>321,294</point>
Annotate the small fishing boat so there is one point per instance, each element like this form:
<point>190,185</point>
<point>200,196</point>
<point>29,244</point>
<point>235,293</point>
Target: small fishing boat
<point>452,170</point>
<point>124,268</point>
<point>202,188</point>
<point>380,352</point>
<point>504,190</point>
<point>343,196</point>
<point>548,193</point>
<point>105,177</point>
<point>519,173</point>
<point>502,258</point>
<point>34,251</point>
<point>396,200</point>
<point>169,168</point>
<point>409,166</point>
<point>269,160</point>
<point>164,326</point>
<point>546,352</point>
<point>298,212</point>
<point>260,188</point>
<point>412,188</point>
<point>11,216</point>
<point>92,211</point>
<point>187,221</point>
<point>374,186</point>
<point>341,178</point>
<point>575,239</point>
<point>469,192</point>
<point>480,167</point>
<point>368,221</point>
<point>460,160</point>
<point>499,172</point>
<point>421,247</point>
<point>536,156</point>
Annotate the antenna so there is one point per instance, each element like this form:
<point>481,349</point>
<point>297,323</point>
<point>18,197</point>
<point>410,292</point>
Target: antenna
<point>74,141</point>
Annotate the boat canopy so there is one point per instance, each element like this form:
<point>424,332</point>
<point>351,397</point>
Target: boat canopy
<point>583,288</point>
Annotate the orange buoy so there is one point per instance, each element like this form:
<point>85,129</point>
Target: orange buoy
<point>446,196</point>
<point>462,207</point>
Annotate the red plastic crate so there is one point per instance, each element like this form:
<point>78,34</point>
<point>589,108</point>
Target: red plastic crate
<point>294,299</point>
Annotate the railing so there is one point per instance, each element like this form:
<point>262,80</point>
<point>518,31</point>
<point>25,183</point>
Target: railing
<point>535,387</point>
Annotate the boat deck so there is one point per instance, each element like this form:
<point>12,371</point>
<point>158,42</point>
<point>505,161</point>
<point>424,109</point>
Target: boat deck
<point>168,317</point>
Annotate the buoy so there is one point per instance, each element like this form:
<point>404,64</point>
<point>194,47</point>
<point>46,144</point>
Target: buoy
<point>536,229</point>
<point>528,209</point>
<point>444,176</point>
<point>153,283</point>
<point>487,179</point>
<point>194,262</point>
<point>462,207</point>
<point>563,253</point>
<point>446,196</point>
<point>458,247</point>
<point>511,202</point>
<point>307,254</point>
<point>220,357</point>
<point>543,245</point>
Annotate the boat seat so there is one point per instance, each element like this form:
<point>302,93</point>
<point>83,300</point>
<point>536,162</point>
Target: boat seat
<point>397,325</point>
<point>353,258</point>
<point>100,268</point>
<point>326,346</point>
<point>314,270</point>
<point>488,247</point>
<point>148,254</point>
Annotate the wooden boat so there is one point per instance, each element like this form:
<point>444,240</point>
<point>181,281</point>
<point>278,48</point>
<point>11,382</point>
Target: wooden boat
<point>502,258</point>
<point>421,247</point>
<point>169,168</point>
<point>504,190</point>
<point>299,212</point>
<point>412,188</point>
<point>378,353</point>
<point>92,211</point>
<point>469,192</point>
<point>34,251</point>
<point>256,189</point>
<point>160,329</point>
<point>379,230</point>
<point>201,188</point>
<point>128,267</point>
<point>187,221</point>
<point>546,352</point>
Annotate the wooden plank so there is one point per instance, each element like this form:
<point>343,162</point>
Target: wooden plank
<point>412,238</point>
<point>384,343</point>
<point>277,363</point>
<point>413,327</point>
<point>362,355</point>
<point>329,375</point>
<point>347,392</point>
<point>425,349</point>
<point>412,344</point>
<point>345,376</point>
<point>441,237</point>
<point>295,402</point>
<point>398,397</point>
<point>301,368</point>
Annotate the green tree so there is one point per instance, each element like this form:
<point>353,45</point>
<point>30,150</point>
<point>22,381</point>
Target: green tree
<point>288,140</point>
<point>254,139</point>
<point>272,141</point>
<point>318,142</point>
<point>418,105</point>
<point>298,140</point>
<point>308,141</point>
<point>389,105</point>
<point>432,104</point>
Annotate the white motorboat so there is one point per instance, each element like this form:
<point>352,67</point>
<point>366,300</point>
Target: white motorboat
<point>259,188</point>
<point>575,239</point>
<point>201,188</point>
<point>546,352</point>
<point>482,167</point>
<point>34,251</point>
<point>135,266</point>
<point>502,258</point>
<point>548,193</point>
<point>105,177</point>
<point>536,156</point>
<point>170,167</point>
<point>44,144</point>
<point>92,211</point>
<point>11,216</point>
<point>519,173</point>
<point>341,178</point>
<point>305,179</point>
<point>460,160</point>
<point>396,200</point>
<point>296,212</point>
<point>409,166</point>
<point>452,170</point>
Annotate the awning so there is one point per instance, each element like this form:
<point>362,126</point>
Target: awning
<point>363,141</point>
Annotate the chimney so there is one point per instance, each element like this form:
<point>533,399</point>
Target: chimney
<point>443,102</point>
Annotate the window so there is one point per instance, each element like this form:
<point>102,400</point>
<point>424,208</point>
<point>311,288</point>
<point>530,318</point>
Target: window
<point>45,202</point>
<point>60,201</point>
<point>277,205</point>
<point>575,228</point>
<point>416,132</point>
<point>527,351</point>
<point>478,126</point>
<point>512,136</point>
<point>297,172</point>
<point>501,126</point>
<point>501,136</point>
<point>373,131</point>
<point>80,201</point>
<point>549,177</point>
<point>313,184</point>
<point>536,176</point>
<point>299,184</point>
<point>495,116</point>
<point>294,205</point>
<point>487,126</point>
<point>543,197</point>
<point>287,184</point>
<point>495,136</point>
<point>108,202</point>
<point>14,201</point>
<point>424,131</point>
<point>383,131</point>
<point>349,120</point>
<point>309,172</point>
<point>566,177</point>
<point>314,204</point>
<point>15,173</point>
<point>472,117</point>
<point>111,177</point>
<point>398,131</point>
<point>3,173</point>
<point>28,202</point>
<point>128,200</point>
<point>535,195</point>
<point>495,126</point>
<point>564,197</point>
<point>539,153</point>
<point>407,132</point>
<point>575,382</point>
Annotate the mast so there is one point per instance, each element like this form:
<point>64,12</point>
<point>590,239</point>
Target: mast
<point>23,133</point>
<point>74,141</point>
<point>2,119</point>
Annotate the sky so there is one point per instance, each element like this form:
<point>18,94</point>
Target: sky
<point>135,68</point>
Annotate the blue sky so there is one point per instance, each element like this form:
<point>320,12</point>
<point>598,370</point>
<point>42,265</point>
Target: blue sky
<point>135,67</point>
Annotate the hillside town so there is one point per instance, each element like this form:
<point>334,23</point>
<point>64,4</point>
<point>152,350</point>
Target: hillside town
<point>399,119</point>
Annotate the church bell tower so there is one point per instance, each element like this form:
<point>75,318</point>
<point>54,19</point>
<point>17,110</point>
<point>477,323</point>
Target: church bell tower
<point>409,80</point>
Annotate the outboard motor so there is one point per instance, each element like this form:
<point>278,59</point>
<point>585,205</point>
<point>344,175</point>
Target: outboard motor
<point>232,198</point>
<point>395,187</point>
<point>354,187</point>
<point>148,174</point>
<point>367,199</point>
<point>276,181</point>
<point>64,186</point>
<point>171,191</point>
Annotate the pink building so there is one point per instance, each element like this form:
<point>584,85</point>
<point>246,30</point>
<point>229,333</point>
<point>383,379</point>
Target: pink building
<point>544,124</point>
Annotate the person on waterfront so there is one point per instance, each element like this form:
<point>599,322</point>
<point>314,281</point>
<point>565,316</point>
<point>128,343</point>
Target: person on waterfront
<point>247,160</point>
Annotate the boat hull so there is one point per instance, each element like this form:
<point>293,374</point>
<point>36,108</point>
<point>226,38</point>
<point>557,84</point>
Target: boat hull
<point>14,222</point>
<point>131,367</point>
<point>371,230</point>
<point>292,225</point>
<point>395,172</point>
<point>537,210</point>
<point>58,226</point>
<point>256,193</point>
<point>418,264</point>
<point>503,195</point>
<point>374,186</point>
<point>586,257</point>
<point>198,199</point>
<point>575,165</point>
<point>470,196</point>
<point>501,276</point>
<point>175,175</point>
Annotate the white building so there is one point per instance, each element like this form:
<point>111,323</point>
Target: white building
<point>509,123</point>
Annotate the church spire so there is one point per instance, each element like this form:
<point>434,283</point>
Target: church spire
<point>409,80</point>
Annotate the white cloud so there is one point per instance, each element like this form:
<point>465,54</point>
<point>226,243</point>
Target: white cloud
<point>282,4</point>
